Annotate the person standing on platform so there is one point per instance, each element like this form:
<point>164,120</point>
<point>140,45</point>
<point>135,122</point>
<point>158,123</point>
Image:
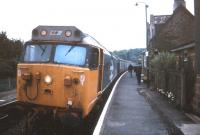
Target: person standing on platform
<point>130,69</point>
<point>138,71</point>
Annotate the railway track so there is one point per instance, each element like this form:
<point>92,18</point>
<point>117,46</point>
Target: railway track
<point>13,120</point>
<point>10,115</point>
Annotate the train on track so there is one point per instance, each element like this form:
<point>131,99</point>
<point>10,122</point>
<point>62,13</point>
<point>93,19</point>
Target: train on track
<point>65,71</point>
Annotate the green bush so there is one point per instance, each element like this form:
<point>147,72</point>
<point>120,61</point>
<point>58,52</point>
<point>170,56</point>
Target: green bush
<point>161,66</point>
<point>164,61</point>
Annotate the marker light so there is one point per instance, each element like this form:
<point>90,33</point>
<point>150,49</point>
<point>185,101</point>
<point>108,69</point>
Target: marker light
<point>38,75</point>
<point>43,32</point>
<point>67,81</point>
<point>76,81</point>
<point>48,79</point>
<point>68,33</point>
<point>26,76</point>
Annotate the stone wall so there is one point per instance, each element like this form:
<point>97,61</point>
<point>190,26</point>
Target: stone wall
<point>196,99</point>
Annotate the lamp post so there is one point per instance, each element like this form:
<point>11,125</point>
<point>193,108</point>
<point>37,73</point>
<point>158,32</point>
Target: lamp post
<point>146,53</point>
<point>146,6</point>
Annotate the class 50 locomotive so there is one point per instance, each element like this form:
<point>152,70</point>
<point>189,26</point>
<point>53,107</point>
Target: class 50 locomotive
<point>65,70</point>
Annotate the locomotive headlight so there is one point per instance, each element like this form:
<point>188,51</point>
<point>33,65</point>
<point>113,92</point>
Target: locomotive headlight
<point>43,32</point>
<point>48,79</point>
<point>69,102</point>
<point>68,33</point>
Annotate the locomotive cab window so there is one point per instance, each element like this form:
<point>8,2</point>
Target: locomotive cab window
<point>66,54</point>
<point>40,53</point>
<point>94,58</point>
<point>73,55</point>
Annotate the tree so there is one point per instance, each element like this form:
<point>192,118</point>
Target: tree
<point>132,54</point>
<point>10,51</point>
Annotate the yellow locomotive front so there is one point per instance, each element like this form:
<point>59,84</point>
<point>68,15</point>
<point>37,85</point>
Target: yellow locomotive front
<point>59,71</point>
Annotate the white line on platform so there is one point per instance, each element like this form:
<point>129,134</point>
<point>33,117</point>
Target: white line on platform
<point>2,100</point>
<point>98,127</point>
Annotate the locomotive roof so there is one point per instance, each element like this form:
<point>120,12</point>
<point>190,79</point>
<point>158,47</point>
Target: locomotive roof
<point>57,33</point>
<point>92,41</point>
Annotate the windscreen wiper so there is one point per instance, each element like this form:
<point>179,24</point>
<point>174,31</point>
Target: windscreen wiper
<point>43,49</point>
<point>72,47</point>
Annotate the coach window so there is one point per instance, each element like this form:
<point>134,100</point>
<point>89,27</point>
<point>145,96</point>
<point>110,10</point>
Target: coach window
<point>94,56</point>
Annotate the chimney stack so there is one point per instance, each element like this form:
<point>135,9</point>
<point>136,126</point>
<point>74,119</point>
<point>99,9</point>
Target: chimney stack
<point>178,3</point>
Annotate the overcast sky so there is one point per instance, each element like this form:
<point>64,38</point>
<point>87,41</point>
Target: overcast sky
<point>116,24</point>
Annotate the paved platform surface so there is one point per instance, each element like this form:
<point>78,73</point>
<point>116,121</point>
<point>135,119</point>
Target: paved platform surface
<point>182,122</point>
<point>129,112</point>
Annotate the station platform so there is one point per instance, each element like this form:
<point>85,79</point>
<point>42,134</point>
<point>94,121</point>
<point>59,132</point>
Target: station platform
<point>128,112</point>
<point>132,109</point>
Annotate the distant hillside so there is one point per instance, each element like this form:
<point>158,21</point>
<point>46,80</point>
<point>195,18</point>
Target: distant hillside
<point>133,55</point>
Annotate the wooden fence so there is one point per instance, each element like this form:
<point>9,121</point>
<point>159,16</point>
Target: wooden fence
<point>177,86</point>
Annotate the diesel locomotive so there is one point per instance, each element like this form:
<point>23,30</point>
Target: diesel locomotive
<point>65,70</point>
